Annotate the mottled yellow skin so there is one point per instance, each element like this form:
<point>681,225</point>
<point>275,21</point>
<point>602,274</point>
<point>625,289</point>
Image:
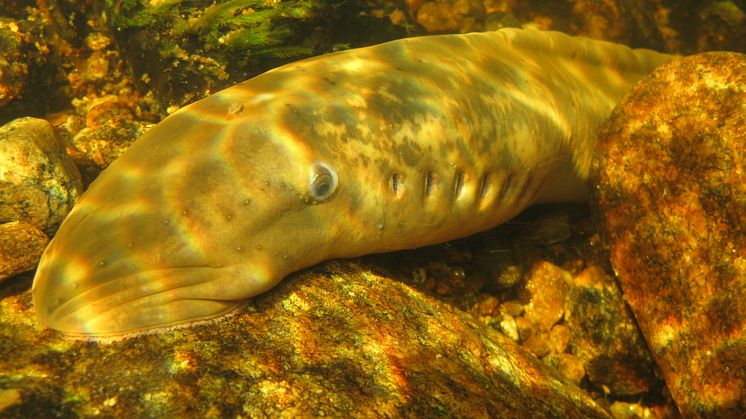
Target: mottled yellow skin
<point>394,146</point>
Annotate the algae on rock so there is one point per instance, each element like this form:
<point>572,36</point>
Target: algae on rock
<point>184,50</point>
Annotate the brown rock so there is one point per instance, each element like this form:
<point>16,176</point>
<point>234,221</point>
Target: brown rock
<point>488,306</point>
<point>570,367</point>
<point>538,344</point>
<point>102,144</point>
<point>630,22</point>
<point>335,339</point>
<point>103,110</point>
<point>547,285</point>
<point>451,15</point>
<point>99,131</point>
<point>671,176</point>
<point>38,182</point>
<point>559,338</point>
<point>604,337</point>
<point>21,246</point>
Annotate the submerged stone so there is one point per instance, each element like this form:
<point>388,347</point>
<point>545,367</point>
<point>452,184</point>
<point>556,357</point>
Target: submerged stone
<point>335,340</point>
<point>21,246</point>
<point>38,182</point>
<point>605,337</point>
<point>671,176</point>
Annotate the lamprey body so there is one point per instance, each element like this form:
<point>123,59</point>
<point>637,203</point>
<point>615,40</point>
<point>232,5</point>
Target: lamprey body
<point>394,146</point>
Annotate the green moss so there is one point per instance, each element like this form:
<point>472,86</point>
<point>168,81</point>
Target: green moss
<point>255,26</point>
<point>8,42</point>
<point>189,47</point>
<point>251,26</point>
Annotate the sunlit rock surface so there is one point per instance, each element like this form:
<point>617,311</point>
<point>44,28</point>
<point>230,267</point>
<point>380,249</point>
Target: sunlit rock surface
<point>21,246</point>
<point>671,175</point>
<point>109,130</point>
<point>38,181</point>
<point>336,340</point>
<point>547,285</point>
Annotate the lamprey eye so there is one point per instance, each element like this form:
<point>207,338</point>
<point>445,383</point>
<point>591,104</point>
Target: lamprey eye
<point>323,181</point>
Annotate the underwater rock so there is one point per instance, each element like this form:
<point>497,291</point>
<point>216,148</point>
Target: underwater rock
<point>21,246</point>
<point>547,285</point>
<point>109,130</point>
<point>568,365</point>
<point>630,22</point>
<point>604,336</point>
<point>29,55</point>
<point>335,340</point>
<point>183,51</point>
<point>38,182</point>
<point>100,146</point>
<point>671,176</point>
<point>13,67</point>
<point>451,16</point>
<point>580,326</point>
<point>715,25</point>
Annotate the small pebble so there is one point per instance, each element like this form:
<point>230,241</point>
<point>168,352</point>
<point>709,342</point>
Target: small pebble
<point>571,368</point>
<point>547,286</point>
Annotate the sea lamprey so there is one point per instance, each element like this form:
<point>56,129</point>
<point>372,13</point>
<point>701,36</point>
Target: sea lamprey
<point>394,146</point>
